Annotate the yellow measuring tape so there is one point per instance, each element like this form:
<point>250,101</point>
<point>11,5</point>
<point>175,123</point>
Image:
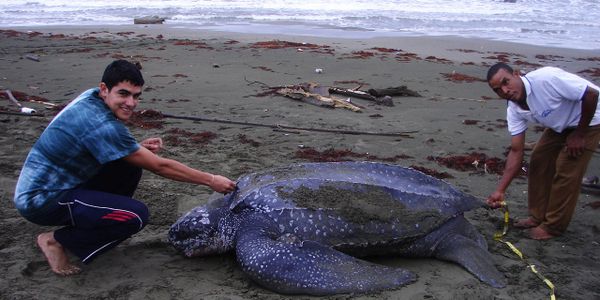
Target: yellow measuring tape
<point>498,236</point>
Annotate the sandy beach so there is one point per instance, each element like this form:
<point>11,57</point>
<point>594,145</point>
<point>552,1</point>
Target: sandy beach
<point>218,77</point>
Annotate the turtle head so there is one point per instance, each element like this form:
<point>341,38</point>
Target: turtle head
<point>204,230</point>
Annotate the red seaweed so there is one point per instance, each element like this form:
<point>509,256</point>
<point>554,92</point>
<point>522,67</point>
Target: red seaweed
<point>473,161</point>
<point>331,155</point>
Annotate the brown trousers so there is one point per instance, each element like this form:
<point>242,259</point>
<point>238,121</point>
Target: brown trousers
<point>555,178</point>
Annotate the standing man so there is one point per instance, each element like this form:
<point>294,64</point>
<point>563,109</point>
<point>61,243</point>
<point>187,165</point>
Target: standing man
<point>85,167</point>
<point>567,105</point>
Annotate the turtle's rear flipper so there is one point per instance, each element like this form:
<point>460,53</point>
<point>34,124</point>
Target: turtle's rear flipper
<point>467,253</point>
<point>288,266</point>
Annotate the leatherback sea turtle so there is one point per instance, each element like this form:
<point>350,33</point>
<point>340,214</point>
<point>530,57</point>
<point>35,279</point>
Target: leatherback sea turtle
<point>298,229</point>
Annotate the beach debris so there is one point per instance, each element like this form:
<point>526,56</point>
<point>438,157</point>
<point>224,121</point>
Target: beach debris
<point>352,92</point>
<point>591,185</point>
<point>179,137</point>
<point>386,50</point>
<point>245,140</point>
<point>318,70</point>
<point>147,119</point>
<point>360,55</point>
<point>438,59</point>
<point>592,179</point>
<point>266,69</point>
<point>454,76</point>
<point>379,96</point>
<point>197,44</point>
<point>593,72</point>
<point>292,129</point>
<point>471,162</point>
<point>470,122</point>
<point>149,20</point>
<point>32,57</point>
<point>23,109</point>
<point>315,94</point>
<point>300,47</point>
<point>27,110</point>
<point>594,205</point>
<point>12,98</point>
<point>359,94</point>
<point>401,91</point>
<point>333,155</point>
<point>29,98</point>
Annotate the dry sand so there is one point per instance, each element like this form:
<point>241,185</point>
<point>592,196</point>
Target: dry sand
<point>219,75</point>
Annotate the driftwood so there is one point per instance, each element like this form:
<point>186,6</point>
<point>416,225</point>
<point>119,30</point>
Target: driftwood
<point>297,93</point>
<point>402,91</point>
<point>315,94</point>
<point>379,96</point>
<point>319,95</point>
<point>18,113</point>
<point>25,110</point>
<point>149,20</point>
<point>385,100</point>
<point>12,98</point>
<point>32,57</point>
<point>353,93</point>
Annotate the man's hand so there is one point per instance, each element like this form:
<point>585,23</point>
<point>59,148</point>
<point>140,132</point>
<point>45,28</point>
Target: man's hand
<point>221,184</point>
<point>153,144</point>
<point>575,143</point>
<point>495,199</point>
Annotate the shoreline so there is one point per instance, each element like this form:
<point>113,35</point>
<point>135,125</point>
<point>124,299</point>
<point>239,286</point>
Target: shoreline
<point>226,76</point>
<point>295,29</point>
<point>180,31</point>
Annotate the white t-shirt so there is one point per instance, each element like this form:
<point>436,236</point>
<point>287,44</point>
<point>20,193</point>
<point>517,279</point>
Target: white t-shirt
<point>554,99</point>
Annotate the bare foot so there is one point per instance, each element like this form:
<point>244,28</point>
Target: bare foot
<point>525,223</point>
<point>56,255</point>
<point>539,233</point>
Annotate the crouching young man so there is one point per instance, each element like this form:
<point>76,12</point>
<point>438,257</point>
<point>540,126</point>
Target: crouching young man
<point>83,170</point>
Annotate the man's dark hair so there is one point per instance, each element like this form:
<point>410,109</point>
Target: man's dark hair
<point>122,70</point>
<point>497,67</point>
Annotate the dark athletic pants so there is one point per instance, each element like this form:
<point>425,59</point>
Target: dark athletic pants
<point>101,214</point>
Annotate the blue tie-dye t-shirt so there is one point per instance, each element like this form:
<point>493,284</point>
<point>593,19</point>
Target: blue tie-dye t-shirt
<point>71,150</point>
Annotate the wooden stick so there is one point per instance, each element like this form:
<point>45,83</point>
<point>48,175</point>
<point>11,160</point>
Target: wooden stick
<point>32,57</point>
<point>12,98</point>
<point>276,127</point>
<point>353,93</point>
<point>15,113</point>
<point>44,102</point>
<point>285,127</point>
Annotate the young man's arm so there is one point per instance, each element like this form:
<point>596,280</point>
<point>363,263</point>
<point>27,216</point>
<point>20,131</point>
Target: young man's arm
<point>511,169</point>
<point>175,170</point>
<point>576,140</point>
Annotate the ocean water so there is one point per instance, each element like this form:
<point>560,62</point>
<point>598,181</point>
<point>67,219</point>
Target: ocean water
<point>558,23</point>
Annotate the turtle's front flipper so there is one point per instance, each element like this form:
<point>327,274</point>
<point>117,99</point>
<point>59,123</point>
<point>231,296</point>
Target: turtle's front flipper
<point>285,265</point>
